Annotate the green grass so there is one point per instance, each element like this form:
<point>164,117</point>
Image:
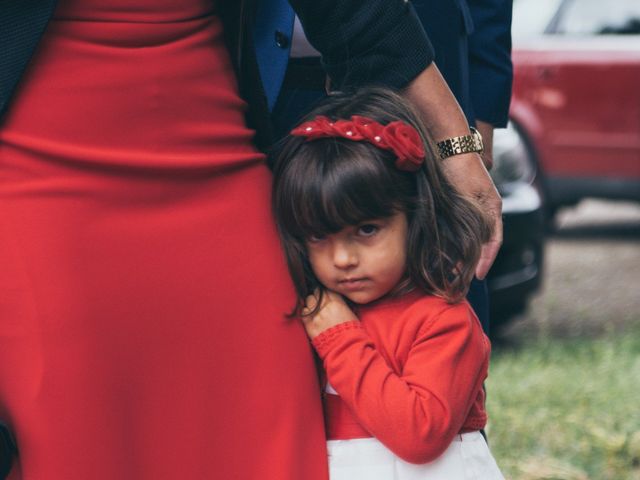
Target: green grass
<point>567,409</point>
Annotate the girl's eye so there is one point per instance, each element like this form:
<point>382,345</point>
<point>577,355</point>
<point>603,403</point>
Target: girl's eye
<point>368,230</point>
<point>316,238</point>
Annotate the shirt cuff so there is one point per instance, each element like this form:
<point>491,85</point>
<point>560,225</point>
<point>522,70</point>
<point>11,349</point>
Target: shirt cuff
<point>324,342</point>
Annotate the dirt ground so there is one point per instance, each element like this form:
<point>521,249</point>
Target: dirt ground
<point>591,278</point>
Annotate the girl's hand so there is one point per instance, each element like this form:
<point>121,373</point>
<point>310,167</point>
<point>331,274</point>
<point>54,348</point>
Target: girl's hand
<point>333,311</point>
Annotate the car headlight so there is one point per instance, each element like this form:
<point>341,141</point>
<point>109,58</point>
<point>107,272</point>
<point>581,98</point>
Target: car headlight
<point>512,161</point>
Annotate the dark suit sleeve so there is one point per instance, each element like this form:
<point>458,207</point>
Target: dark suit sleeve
<point>366,41</point>
<point>490,68</point>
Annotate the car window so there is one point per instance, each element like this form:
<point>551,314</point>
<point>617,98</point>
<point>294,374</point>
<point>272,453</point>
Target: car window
<point>599,17</point>
<point>531,17</point>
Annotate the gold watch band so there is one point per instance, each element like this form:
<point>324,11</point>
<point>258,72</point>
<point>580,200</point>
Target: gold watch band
<point>463,144</point>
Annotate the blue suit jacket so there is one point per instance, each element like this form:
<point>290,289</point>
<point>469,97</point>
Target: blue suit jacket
<point>272,35</point>
<point>473,52</point>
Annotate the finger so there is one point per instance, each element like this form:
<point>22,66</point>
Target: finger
<point>310,302</point>
<point>490,251</point>
<point>487,257</point>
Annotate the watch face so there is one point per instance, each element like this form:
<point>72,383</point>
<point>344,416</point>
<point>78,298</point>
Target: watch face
<point>478,139</point>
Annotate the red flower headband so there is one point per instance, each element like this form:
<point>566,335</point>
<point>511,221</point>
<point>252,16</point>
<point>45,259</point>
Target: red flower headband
<point>400,138</point>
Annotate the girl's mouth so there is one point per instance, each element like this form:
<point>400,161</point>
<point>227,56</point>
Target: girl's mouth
<point>353,283</point>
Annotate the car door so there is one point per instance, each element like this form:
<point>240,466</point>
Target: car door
<point>588,90</point>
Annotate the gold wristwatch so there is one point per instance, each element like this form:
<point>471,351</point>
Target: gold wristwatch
<point>463,144</point>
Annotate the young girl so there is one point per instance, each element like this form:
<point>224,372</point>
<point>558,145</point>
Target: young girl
<point>381,250</point>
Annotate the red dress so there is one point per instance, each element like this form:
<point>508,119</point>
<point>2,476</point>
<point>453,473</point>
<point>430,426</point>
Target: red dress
<point>142,290</point>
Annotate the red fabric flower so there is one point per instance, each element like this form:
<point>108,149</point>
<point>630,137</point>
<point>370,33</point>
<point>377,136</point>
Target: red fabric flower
<point>371,130</point>
<point>347,129</point>
<point>319,127</point>
<point>406,143</point>
<point>399,137</point>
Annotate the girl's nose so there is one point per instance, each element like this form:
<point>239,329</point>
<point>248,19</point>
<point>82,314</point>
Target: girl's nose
<point>344,256</point>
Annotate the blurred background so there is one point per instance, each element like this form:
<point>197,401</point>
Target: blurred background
<point>564,386</point>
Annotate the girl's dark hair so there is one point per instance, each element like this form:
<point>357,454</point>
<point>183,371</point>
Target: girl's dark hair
<point>324,185</point>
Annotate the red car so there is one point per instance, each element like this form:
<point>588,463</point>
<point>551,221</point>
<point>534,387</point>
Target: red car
<point>576,97</point>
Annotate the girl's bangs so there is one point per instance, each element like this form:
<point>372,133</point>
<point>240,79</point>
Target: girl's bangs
<point>350,185</point>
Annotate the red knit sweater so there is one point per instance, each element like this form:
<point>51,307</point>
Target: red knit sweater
<point>410,372</point>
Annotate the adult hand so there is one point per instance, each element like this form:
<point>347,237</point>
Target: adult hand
<point>332,311</point>
<point>442,116</point>
<point>469,176</point>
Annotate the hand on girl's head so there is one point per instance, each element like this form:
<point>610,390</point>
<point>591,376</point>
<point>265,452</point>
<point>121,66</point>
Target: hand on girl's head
<point>333,310</point>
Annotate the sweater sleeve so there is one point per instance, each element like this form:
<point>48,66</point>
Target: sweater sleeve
<point>377,41</point>
<point>417,412</point>
<point>490,67</point>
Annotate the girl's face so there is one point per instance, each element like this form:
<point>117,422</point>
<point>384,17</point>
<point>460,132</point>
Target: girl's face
<point>362,262</point>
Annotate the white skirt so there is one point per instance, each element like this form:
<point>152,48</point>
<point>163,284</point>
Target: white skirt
<point>467,458</point>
